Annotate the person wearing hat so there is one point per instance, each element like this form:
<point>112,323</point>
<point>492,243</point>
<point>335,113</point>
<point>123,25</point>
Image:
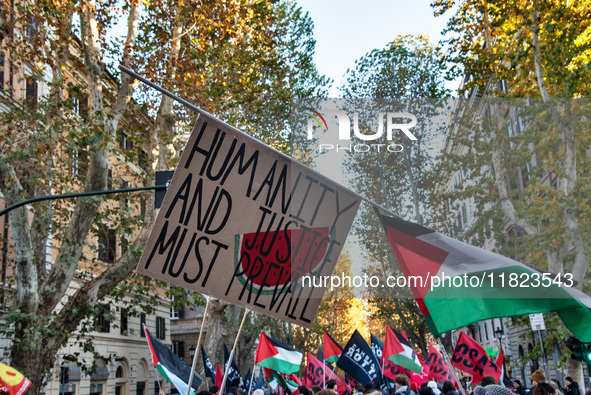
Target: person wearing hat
<point>538,377</point>
<point>571,387</point>
<point>433,385</point>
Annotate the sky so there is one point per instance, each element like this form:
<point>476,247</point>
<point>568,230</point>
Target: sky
<point>345,30</point>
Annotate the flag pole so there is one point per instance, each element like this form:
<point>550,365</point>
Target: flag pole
<point>229,361</point>
<point>451,368</point>
<point>252,375</point>
<point>197,347</point>
<point>158,381</point>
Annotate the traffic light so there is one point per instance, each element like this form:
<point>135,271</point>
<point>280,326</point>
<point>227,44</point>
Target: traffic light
<point>576,348</point>
<point>579,351</point>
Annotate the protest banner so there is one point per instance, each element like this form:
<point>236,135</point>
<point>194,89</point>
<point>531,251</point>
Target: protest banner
<point>243,223</point>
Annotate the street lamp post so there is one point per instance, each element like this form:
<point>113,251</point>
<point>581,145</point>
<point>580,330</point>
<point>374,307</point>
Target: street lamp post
<point>192,352</point>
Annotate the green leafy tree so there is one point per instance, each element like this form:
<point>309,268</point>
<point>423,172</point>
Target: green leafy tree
<point>224,56</point>
<point>527,166</point>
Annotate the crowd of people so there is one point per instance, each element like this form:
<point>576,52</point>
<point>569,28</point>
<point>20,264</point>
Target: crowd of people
<point>488,386</point>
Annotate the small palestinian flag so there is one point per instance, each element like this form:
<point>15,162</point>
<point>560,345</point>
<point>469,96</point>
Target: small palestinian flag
<point>398,350</point>
<point>171,367</point>
<point>474,284</point>
<point>275,355</point>
<point>332,351</point>
<point>12,381</point>
<point>285,382</point>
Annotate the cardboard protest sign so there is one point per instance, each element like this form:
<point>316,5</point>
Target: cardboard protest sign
<point>245,224</point>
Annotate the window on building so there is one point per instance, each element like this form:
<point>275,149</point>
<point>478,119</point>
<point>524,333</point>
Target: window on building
<point>107,245</point>
<point>142,159</point>
<point>79,161</point>
<point>125,201</point>
<point>486,330</point>
<point>124,318</point>
<point>31,28</point>
<point>480,333</point>
<point>124,245</point>
<point>143,209</point>
<point>142,323</point>
<point>178,348</point>
<point>110,179</point>
<point>124,141</point>
<point>175,311</point>
<point>102,320</point>
<point>160,328</point>
<point>31,93</point>
<point>2,61</point>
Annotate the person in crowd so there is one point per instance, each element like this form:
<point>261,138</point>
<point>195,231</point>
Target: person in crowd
<point>258,392</point>
<point>204,392</point>
<point>214,389</point>
<point>332,385</point>
<point>414,388</point>
<point>544,388</point>
<point>316,389</point>
<point>519,389</point>
<point>556,384</point>
<point>488,380</point>
<point>304,390</point>
<point>478,390</point>
<point>239,391</point>
<point>448,388</point>
<point>426,390</point>
<point>495,389</point>
<point>358,390</point>
<point>370,388</point>
<point>571,387</point>
<point>233,390</point>
<point>433,385</point>
<point>402,384</point>
<point>539,376</point>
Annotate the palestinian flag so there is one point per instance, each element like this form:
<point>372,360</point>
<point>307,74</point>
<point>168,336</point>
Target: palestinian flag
<point>285,382</point>
<point>275,355</point>
<point>332,351</point>
<point>398,350</point>
<point>171,367</point>
<point>503,380</point>
<point>12,381</point>
<point>475,284</point>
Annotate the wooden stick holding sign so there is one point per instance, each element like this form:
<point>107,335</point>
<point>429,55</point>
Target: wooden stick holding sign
<point>451,368</point>
<point>197,347</point>
<point>229,361</point>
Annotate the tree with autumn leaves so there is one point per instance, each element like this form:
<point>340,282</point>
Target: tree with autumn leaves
<point>522,143</point>
<point>244,60</point>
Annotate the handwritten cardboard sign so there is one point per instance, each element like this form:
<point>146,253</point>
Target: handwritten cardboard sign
<point>242,223</point>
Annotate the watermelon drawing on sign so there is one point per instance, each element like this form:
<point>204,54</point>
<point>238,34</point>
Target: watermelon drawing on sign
<point>268,257</point>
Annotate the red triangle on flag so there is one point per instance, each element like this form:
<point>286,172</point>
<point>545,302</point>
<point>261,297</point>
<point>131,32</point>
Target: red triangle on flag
<point>392,345</point>
<point>265,350</point>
